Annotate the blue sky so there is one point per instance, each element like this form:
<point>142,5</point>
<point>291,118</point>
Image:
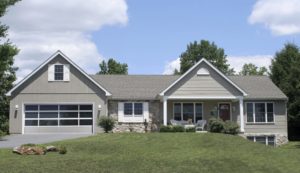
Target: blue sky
<point>150,35</point>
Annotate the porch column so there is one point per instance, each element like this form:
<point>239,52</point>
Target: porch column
<point>241,100</point>
<point>165,110</point>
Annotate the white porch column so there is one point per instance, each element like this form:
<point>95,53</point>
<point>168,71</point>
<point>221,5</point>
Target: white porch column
<point>165,111</point>
<point>241,100</point>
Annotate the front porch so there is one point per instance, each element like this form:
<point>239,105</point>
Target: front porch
<point>195,109</point>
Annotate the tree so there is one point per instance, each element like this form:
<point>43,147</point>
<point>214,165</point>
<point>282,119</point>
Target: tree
<point>7,70</point>
<point>285,73</point>
<point>204,49</point>
<point>251,69</point>
<point>113,67</point>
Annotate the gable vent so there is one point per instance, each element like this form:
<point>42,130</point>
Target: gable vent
<point>202,72</point>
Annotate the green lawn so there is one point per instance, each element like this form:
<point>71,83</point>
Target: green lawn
<point>158,152</point>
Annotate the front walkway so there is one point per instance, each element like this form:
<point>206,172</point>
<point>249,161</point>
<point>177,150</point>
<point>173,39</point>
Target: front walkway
<point>18,139</point>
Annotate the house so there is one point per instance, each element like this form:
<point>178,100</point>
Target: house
<point>59,97</point>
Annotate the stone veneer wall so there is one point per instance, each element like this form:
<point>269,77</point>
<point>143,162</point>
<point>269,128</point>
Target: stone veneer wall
<point>155,117</point>
<point>280,139</point>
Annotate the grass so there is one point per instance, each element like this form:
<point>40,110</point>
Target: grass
<point>158,152</point>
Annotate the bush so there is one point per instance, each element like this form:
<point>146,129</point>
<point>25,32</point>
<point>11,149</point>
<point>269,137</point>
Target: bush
<point>190,129</point>
<point>4,125</point>
<point>168,128</point>
<point>107,123</point>
<point>178,129</point>
<point>63,150</point>
<point>215,125</point>
<point>231,128</point>
<point>2,134</point>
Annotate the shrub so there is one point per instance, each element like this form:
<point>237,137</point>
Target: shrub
<point>2,134</point>
<point>107,123</point>
<point>168,128</point>
<point>190,129</point>
<point>231,128</point>
<point>178,129</point>
<point>4,125</point>
<point>63,150</point>
<point>215,125</point>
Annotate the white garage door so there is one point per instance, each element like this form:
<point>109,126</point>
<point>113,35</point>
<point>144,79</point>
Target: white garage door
<point>58,118</point>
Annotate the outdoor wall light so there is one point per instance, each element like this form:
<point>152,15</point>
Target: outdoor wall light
<point>99,107</point>
<point>17,107</point>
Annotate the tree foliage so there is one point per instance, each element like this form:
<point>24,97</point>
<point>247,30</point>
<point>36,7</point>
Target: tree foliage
<point>7,70</point>
<point>113,67</point>
<point>204,49</point>
<point>285,73</point>
<point>251,69</point>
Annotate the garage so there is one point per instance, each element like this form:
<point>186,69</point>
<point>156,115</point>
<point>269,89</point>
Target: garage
<point>58,118</point>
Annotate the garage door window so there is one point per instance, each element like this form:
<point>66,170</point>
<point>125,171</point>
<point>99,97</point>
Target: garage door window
<point>58,115</point>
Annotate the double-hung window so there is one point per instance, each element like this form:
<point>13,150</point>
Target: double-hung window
<point>133,109</point>
<point>260,112</point>
<point>58,72</point>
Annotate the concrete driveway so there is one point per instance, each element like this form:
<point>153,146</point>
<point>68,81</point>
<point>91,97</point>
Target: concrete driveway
<point>18,139</point>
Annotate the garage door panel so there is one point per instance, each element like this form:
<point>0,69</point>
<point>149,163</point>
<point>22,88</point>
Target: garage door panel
<point>52,118</point>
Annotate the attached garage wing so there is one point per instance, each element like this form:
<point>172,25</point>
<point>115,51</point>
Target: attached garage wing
<point>58,118</point>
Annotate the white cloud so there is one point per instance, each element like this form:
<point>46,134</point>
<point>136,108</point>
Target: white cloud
<point>39,28</point>
<point>280,16</point>
<point>235,62</point>
<point>171,66</point>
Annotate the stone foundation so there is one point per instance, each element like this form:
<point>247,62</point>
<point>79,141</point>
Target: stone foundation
<point>280,139</point>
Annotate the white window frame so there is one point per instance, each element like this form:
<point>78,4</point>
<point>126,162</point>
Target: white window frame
<point>266,139</point>
<point>58,111</point>
<point>133,113</point>
<point>194,107</point>
<point>63,72</point>
<point>266,113</point>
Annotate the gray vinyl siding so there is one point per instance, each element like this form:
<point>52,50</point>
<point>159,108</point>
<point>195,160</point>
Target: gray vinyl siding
<point>38,90</point>
<point>203,85</point>
<point>280,121</point>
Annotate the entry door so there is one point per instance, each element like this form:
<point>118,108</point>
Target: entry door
<point>224,111</point>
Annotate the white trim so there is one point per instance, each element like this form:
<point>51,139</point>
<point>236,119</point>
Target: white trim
<point>266,113</point>
<point>133,118</point>
<point>165,110</point>
<point>193,67</point>
<point>229,109</point>
<point>46,62</point>
<point>242,116</point>
<point>204,97</point>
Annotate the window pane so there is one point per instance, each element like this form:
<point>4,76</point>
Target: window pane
<point>198,111</point>
<point>86,122</point>
<point>260,112</point>
<point>270,117</point>
<point>249,112</point>
<point>270,112</point>
<point>127,108</point>
<point>86,107</point>
<point>31,107</point>
<point>68,122</point>
<point>48,107</point>
<point>177,111</point>
<point>261,139</point>
<point>31,122</point>
<point>48,114</point>
<point>31,115</point>
<point>271,140</point>
<point>59,68</point>
<point>68,114</point>
<point>86,114</point>
<point>68,107</point>
<point>48,122</point>
<point>251,138</point>
<point>270,107</point>
<point>138,108</point>
<point>188,111</point>
<point>58,76</point>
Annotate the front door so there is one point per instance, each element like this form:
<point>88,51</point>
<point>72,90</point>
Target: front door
<point>224,111</point>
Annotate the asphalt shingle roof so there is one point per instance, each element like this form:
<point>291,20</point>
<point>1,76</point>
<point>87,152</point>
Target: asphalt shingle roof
<point>147,87</point>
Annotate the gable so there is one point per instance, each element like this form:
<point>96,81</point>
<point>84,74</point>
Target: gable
<point>38,81</point>
<point>203,80</point>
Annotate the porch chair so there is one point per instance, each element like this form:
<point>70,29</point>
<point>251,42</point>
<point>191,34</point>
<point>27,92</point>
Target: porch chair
<point>200,125</point>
